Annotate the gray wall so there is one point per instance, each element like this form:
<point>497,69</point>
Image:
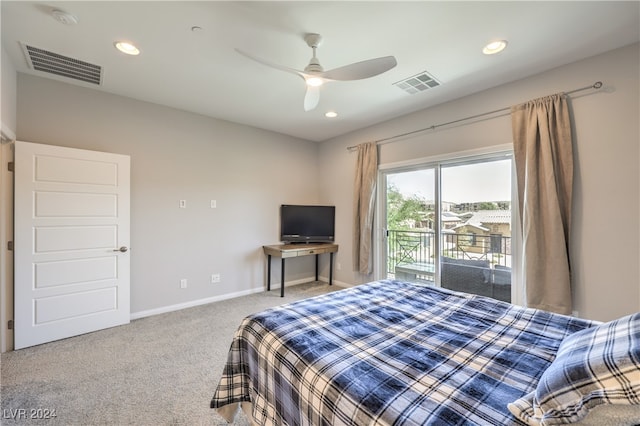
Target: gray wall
<point>604,243</point>
<point>175,156</point>
<point>8,90</point>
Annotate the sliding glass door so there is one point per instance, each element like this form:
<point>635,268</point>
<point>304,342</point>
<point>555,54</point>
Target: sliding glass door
<point>448,224</point>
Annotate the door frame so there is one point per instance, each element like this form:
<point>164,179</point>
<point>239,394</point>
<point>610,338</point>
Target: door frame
<point>6,235</point>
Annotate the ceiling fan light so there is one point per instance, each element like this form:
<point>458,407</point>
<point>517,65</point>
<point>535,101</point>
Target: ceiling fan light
<point>314,81</point>
<point>494,47</point>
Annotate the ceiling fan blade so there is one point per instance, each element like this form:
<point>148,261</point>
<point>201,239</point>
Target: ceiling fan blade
<point>360,70</point>
<point>270,64</point>
<point>311,98</point>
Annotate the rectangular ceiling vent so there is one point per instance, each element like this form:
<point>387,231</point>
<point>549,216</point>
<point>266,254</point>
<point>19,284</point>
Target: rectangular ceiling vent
<point>417,83</point>
<point>54,63</point>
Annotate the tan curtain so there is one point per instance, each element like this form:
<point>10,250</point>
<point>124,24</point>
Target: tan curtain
<point>363,206</point>
<point>544,167</point>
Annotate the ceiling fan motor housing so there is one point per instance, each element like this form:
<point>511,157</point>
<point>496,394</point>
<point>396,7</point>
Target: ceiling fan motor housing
<point>313,40</point>
<point>314,66</point>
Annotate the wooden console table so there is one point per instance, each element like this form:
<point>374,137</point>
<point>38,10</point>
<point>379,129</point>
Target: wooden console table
<point>284,251</point>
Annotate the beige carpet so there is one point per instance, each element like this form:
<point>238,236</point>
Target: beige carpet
<point>160,370</point>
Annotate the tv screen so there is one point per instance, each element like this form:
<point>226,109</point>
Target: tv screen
<point>307,224</point>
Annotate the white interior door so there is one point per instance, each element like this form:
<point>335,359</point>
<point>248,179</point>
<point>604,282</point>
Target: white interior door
<point>71,233</point>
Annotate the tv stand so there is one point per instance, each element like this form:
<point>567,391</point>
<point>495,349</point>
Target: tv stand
<point>285,251</point>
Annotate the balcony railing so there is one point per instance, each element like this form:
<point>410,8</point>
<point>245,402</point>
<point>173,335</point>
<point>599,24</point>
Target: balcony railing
<point>473,263</point>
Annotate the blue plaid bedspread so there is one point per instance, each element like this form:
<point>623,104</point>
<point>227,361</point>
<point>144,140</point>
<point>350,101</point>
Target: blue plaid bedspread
<point>390,353</point>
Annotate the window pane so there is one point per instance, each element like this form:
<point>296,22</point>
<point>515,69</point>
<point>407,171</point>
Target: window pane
<point>410,225</point>
<point>476,228</point>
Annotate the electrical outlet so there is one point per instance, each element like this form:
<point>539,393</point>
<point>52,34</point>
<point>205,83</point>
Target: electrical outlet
<point>338,266</point>
<point>183,283</point>
<point>215,278</point>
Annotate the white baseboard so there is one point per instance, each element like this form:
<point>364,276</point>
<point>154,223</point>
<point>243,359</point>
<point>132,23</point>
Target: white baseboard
<point>205,301</point>
<point>193,303</point>
<point>275,284</point>
<point>336,282</point>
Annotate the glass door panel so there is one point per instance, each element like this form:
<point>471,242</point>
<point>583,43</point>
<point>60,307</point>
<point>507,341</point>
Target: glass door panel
<point>410,224</point>
<point>476,228</point>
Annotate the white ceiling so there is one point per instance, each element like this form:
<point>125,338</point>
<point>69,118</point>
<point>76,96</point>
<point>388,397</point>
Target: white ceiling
<point>201,72</point>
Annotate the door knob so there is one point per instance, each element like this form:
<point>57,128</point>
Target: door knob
<point>122,249</point>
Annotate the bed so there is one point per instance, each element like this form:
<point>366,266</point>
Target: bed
<point>396,353</point>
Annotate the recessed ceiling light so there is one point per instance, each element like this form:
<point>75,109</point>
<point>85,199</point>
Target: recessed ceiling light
<point>331,114</point>
<point>494,47</point>
<point>126,47</point>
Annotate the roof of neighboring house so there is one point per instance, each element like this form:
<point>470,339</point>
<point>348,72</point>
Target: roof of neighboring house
<point>475,225</point>
<point>490,216</point>
<point>450,217</point>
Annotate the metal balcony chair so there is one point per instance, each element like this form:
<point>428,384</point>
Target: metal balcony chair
<point>408,247</point>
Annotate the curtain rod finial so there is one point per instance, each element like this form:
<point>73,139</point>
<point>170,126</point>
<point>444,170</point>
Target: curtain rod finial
<point>597,85</point>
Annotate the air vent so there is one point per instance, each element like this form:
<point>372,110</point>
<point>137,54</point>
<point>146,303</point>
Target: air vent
<point>418,83</point>
<point>54,63</point>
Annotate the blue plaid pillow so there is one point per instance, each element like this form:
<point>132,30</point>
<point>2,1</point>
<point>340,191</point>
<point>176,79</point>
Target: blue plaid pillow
<point>598,365</point>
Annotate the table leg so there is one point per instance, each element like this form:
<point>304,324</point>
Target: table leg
<point>317,266</point>
<point>282,279</point>
<point>331,268</point>
<point>268,272</point>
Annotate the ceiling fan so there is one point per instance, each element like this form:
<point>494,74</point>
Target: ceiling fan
<point>314,75</point>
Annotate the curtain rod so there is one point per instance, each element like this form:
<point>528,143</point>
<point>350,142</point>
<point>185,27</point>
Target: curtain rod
<point>596,85</point>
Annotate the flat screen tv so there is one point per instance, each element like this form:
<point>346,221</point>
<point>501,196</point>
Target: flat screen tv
<point>307,224</point>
